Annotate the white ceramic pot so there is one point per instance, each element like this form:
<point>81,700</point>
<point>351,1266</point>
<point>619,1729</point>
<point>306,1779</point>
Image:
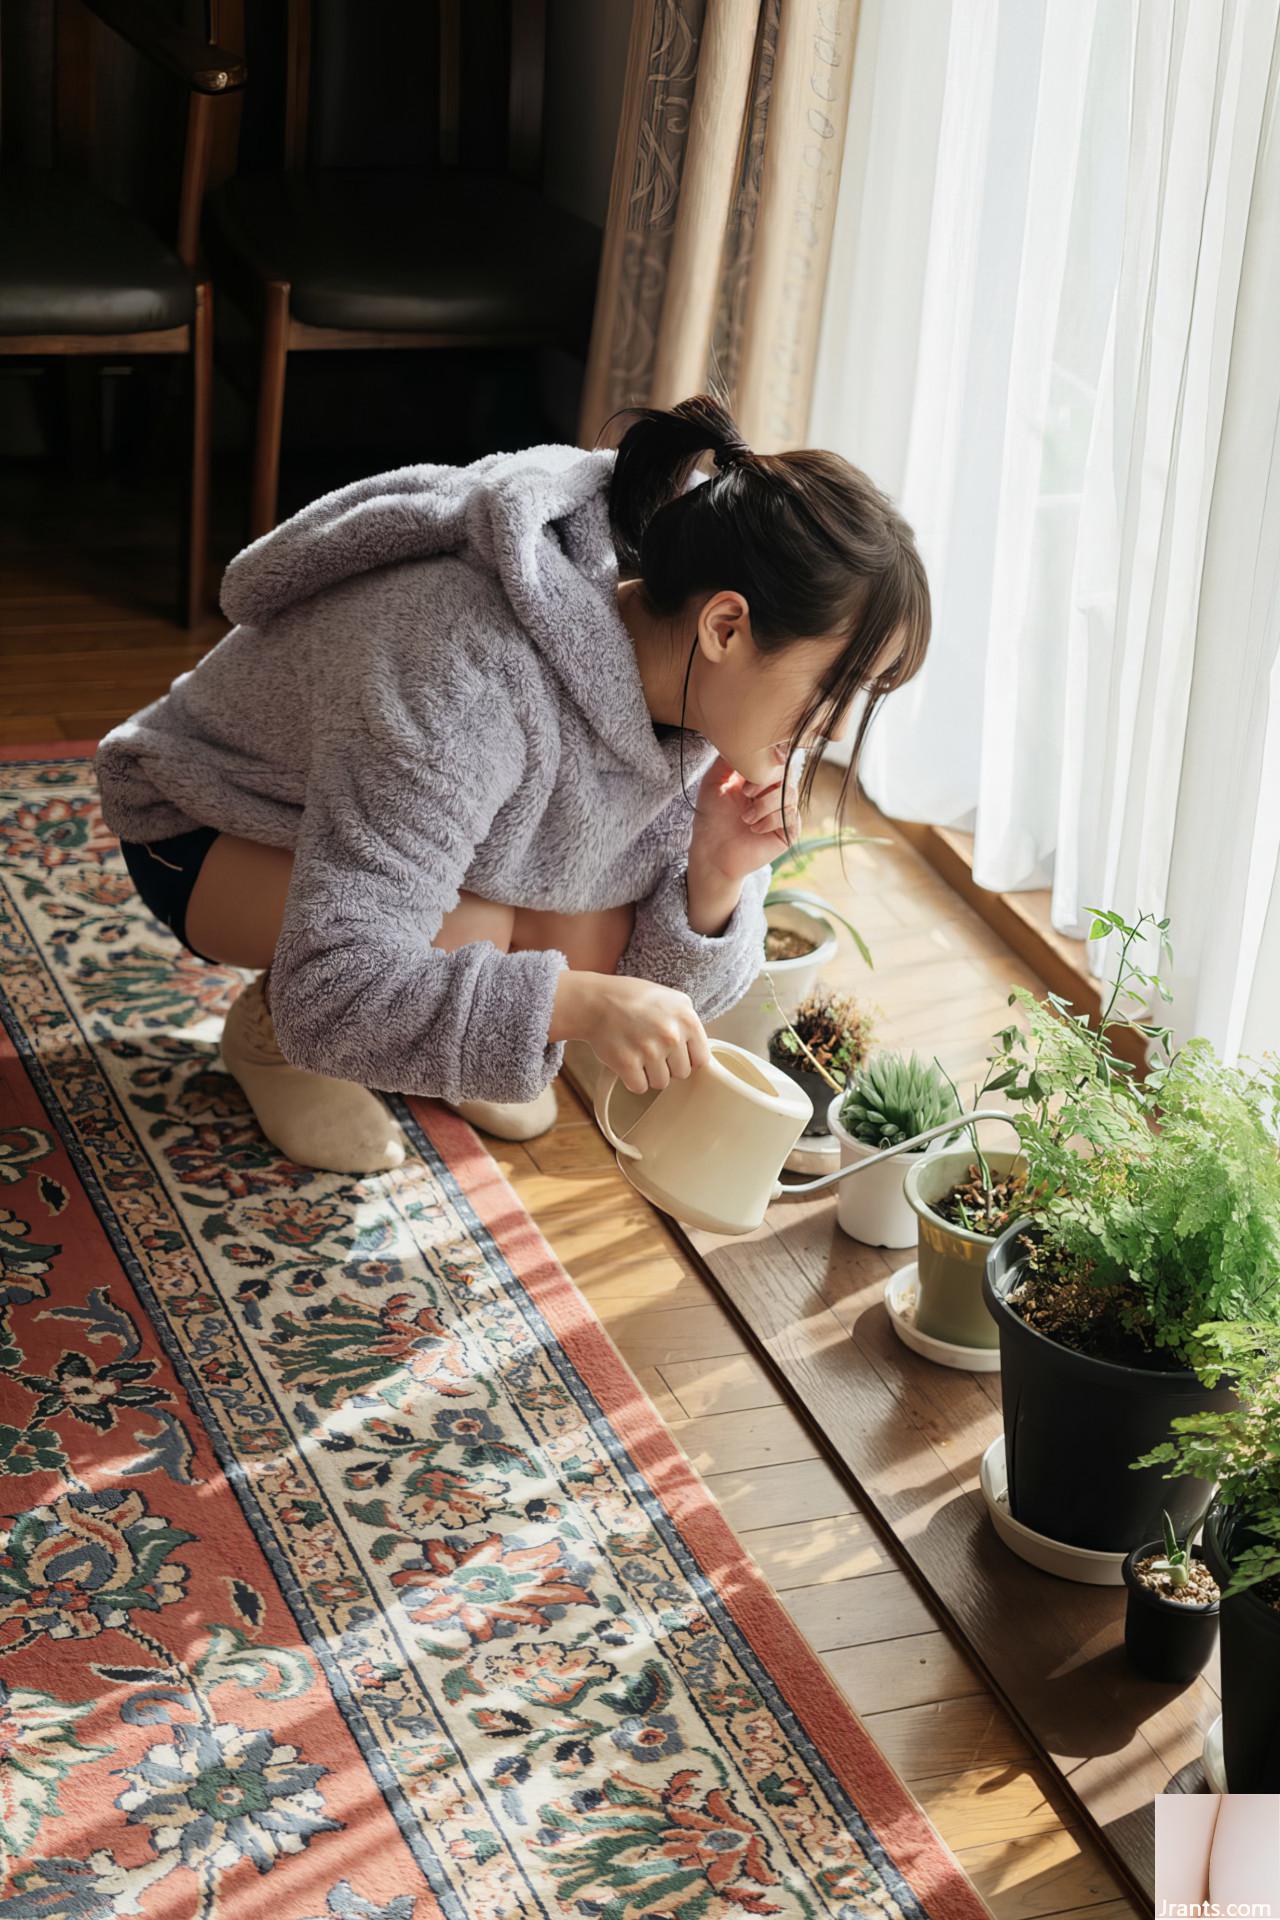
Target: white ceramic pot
<point>756,1016</point>
<point>872,1206</point>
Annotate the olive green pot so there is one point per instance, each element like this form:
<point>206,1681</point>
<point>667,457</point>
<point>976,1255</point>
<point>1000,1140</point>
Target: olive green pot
<point>951,1261</point>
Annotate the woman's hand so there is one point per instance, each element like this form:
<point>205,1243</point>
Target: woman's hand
<point>739,823</point>
<point>648,1034</point>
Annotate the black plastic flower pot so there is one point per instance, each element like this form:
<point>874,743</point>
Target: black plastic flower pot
<point>1165,1639</point>
<point>1074,1424</point>
<point>809,1081</point>
<point>1250,1663</point>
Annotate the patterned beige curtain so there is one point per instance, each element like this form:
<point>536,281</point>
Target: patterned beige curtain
<point>720,213</point>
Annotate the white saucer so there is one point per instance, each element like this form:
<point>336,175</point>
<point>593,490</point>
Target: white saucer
<point>901,1291</point>
<point>814,1153</point>
<point>1084,1564</point>
<point>1212,1759</point>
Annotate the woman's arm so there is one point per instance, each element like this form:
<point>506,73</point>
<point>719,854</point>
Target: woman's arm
<point>712,900</point>
<point>389,829</point>
<point>702,927</point>
<point>714,969</point>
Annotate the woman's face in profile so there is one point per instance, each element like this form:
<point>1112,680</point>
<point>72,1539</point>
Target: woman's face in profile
<point>748,703</point>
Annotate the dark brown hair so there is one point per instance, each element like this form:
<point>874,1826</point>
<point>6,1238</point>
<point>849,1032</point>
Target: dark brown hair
<point>810,543</point>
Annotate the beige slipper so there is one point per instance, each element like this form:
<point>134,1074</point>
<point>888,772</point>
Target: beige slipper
<point>511,1119</point>
<point>314,1119</point>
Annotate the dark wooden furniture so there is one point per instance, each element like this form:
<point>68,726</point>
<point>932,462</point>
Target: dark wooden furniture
<point>82,274</point>
<point>908,1437</point>
<point>425,232</point>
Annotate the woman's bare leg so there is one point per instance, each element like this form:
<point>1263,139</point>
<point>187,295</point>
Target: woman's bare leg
<point>234,915</point>
<point>590,942</point>
<point>237,903</point>
<point>237,906</point>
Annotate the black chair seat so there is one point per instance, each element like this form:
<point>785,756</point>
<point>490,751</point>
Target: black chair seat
<point>72,261</point>
<point>382,251</point>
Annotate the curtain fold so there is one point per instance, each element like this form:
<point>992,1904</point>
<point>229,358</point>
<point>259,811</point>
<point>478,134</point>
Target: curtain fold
<point>1049,333</point>
<point>721,207</point>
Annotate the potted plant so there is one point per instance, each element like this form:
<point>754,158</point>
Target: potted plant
<point>819,1048</point>
<point>1238,1447</point>
<point>800,940</point>
<point>1152,1204</point>
<point>1171,1609</point>
<point>889,1099</point>
<point>963,1198</point>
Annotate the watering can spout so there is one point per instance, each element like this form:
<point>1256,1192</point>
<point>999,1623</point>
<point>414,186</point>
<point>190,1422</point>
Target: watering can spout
<point>707,1147</point>
<point>781,1191</point>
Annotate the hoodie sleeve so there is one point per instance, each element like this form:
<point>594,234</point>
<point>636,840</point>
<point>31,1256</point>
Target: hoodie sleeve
<point>388,831</point>
<point>715,970</point>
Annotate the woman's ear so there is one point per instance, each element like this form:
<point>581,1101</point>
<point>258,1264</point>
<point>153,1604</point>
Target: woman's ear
<point>726,619</point>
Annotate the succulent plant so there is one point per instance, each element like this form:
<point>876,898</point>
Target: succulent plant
<point>893,1098</point>
<point>1176,1558</point>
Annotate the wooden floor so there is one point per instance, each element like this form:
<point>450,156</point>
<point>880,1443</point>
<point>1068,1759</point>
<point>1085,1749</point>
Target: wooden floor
<point>80,650</point>
<point>917,1695</point>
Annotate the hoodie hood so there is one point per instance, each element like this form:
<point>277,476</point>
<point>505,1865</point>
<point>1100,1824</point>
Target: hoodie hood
<point>538,519</point>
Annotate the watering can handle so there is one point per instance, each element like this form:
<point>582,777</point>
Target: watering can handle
<point>603,1093</point>
<point>887,1153</point>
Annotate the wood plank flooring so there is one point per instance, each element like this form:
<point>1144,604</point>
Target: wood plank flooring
<point>79,650</point>
<point>926,1707</point>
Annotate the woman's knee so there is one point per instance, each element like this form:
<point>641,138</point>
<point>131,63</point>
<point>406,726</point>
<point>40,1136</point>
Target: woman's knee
<point>475,918</point>
<point>591,942</point>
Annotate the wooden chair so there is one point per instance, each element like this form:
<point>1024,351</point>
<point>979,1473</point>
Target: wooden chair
<point>83,274</point>
<point>455,247</point>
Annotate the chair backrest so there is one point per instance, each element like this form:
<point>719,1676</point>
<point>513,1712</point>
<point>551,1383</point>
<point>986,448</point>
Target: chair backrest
<point>400,83</point>
<point>76,95</point>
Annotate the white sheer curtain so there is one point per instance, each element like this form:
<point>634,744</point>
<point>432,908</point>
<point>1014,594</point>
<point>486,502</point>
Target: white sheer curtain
<point>1051,332</point>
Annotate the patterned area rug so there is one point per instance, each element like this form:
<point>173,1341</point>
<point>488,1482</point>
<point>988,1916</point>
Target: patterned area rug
<point>346,1573</point>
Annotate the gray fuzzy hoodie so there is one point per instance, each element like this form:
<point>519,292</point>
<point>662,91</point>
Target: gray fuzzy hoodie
<point>429,687</point>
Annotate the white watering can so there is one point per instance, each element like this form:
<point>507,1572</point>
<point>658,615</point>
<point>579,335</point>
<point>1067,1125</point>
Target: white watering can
<point>708,1148</point>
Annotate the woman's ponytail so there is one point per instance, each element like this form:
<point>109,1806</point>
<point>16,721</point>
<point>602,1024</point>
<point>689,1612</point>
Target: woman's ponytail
<point>655,460</point>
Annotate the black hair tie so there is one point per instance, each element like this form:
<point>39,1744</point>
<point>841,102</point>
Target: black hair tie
<point>733,455</point>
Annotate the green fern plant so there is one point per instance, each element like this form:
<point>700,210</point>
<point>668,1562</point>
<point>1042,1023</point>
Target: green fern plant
<point>1163,1190</point>
<point>1238,1447</point>
<point>893,1098</point>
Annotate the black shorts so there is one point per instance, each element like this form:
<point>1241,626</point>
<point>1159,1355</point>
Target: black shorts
<point>164,872</point>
